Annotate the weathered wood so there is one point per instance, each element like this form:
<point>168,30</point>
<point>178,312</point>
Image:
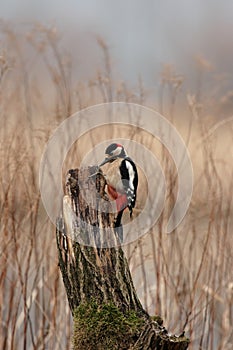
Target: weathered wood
<point>92,262</point>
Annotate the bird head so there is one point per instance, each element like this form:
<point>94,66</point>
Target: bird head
<point>112,152</point>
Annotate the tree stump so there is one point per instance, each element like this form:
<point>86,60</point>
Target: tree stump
<point>102,298</point>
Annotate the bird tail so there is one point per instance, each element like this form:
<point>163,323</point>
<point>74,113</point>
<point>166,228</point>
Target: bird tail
<point>130,211</point>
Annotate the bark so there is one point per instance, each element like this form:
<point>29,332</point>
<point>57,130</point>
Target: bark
<point>92,262</point>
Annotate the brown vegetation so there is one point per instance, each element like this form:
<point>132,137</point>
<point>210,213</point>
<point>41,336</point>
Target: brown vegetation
<point>186,277</point>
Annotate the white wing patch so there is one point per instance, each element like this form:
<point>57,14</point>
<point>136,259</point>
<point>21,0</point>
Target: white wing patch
<point>131,174</point>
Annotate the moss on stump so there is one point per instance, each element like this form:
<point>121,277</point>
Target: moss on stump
<point>104,327</point>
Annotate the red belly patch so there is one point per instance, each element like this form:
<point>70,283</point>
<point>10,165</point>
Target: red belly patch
<point>121,199</point>
<point>112,192</point>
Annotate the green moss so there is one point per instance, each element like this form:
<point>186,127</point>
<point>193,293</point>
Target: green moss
<point>104,327</point>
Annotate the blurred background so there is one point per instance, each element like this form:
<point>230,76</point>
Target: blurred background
<point>141,37</point>
<point>57,58</point>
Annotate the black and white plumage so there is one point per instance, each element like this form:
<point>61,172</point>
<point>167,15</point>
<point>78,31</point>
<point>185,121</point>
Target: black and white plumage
<point>122,178</point>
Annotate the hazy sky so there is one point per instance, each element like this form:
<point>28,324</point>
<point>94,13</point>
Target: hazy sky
<point>141,34</point>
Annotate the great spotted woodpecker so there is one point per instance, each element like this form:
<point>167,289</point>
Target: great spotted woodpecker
<point>121,177</point>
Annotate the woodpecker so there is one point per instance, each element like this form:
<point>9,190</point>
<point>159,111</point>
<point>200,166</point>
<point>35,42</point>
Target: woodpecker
<point>121,177</point>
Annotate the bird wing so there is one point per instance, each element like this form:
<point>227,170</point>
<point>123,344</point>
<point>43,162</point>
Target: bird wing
<point>129,178</point>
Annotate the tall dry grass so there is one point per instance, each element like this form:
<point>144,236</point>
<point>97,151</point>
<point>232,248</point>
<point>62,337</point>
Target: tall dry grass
<point>186,277</point>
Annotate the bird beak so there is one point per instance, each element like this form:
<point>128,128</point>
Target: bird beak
<point>107,160</point>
